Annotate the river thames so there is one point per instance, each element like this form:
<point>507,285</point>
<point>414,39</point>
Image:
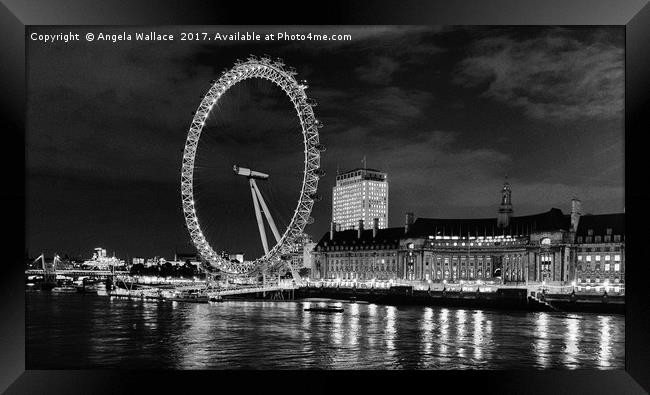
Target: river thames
<point>76,331</point>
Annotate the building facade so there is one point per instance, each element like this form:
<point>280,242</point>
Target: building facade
<point>358,254</point>
<point>600,252</point>
<point>301,252</point>
<point>550,248</point>
<point>360,194</point>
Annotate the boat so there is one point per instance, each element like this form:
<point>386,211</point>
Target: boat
<point>326,309</point>
<point>217,298</point>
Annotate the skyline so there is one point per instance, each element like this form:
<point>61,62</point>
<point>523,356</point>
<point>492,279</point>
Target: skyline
<point>545,107</point>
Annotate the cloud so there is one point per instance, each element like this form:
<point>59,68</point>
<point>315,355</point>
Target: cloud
<point>428,170</point>
<point>392,105</point>
<point>379,71</point>
<point>555,76</point>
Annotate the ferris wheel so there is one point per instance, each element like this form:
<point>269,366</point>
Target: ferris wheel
<point>283,77</point>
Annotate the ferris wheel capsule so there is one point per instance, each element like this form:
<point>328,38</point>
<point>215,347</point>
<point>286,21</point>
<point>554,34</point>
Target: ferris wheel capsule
<point>275,73</point>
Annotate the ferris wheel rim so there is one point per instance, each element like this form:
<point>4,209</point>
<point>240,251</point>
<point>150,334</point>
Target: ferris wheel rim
<point>284,78</point>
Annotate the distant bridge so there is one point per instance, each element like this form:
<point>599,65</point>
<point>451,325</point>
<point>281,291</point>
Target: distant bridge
<point>78,272</point>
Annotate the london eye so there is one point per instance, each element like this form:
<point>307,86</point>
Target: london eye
<point>275,253</point>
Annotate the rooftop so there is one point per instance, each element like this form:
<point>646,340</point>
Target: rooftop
<point>553,219</point>
<point>365,173</point>
<point>349,237</point>
<point>600,223</point>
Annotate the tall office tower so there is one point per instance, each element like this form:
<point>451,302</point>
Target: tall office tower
<point>360,194</point>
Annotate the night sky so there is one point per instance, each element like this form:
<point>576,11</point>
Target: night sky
<point>446,112</point>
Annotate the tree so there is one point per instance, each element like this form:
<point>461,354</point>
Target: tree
<point>138,268</point>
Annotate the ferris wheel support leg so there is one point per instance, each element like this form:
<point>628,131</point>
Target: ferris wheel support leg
<point>274,229</point>
<point>258,215</point>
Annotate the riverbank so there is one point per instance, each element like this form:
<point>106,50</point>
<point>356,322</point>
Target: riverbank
<point>501,299</point>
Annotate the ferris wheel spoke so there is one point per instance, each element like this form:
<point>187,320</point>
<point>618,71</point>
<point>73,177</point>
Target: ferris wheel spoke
<point>283,77</point>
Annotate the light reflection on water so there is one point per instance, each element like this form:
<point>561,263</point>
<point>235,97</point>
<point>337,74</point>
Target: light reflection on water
<point>571,351</point>
<point>478,337</point>
<point>605,353</point>
<point>542,344</point>
<point>427,332</point>
<point>84,331</point>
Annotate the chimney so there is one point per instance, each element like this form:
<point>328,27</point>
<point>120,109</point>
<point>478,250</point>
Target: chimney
<point>576,208</point>
<point>375,227</point>
<point>332,229</point>
<point>360,230</point>
<point>408,223</point>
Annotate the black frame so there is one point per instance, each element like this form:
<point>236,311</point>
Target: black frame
<point>633,14</point>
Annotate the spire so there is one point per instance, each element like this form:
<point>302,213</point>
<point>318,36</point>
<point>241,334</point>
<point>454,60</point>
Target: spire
<point>505,208</point>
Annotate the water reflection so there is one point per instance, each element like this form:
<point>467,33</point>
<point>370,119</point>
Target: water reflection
<point>478,338</point>
<point>306,324</point>
<point>605,353</point>
<point>373,325</point>
<point>390,330</point>
<point>99,332</point>
<point>571,342</point>
<point>444,331</point>
<point>427,330</point>
<point>460,332</point>
<point>354,325</point>
<point>337,330</point>
<point>542,343</point>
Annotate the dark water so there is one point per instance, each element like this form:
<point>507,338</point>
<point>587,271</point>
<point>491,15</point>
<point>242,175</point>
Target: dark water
<point>74,331</point>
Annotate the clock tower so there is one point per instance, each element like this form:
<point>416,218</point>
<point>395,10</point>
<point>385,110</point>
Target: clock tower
<point>505,208</point>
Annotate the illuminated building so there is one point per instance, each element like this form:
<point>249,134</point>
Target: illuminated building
<point>549,248</point>
<point>101,260</point>
<point>600,253</point>
<point>358,254</point>
<point>301,252</point>
<point>360,194</point>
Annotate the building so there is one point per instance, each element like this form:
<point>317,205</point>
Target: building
<point>301,252</point>
<point>360,194</point>
<point>600,252</point>
<point>235,257</point>
<point>550,248</point>
<point>530,248</point>
<point>138,260</point>
<point>358,254</point>
<point>101,260</point>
